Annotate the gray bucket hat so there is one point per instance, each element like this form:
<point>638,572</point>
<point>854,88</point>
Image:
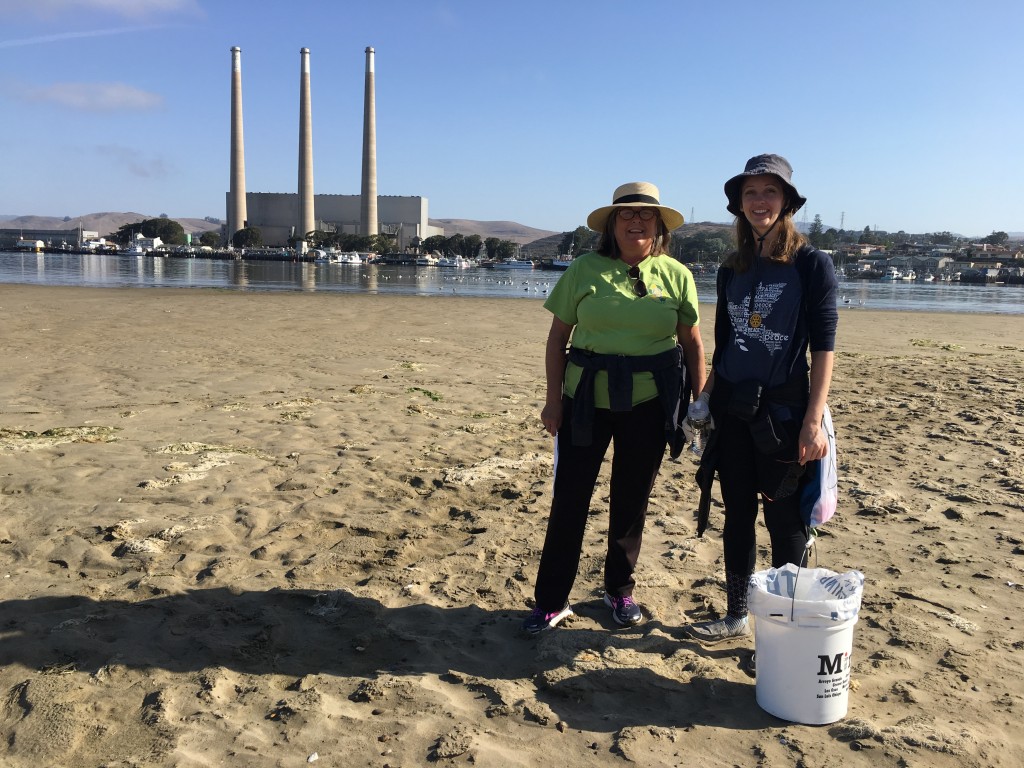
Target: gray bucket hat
<point>758,166</point>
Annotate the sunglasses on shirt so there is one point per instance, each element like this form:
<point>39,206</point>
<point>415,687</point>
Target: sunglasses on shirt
<point>639,287</point>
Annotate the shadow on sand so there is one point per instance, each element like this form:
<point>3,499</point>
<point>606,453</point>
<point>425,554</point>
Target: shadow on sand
<point>299,632</point>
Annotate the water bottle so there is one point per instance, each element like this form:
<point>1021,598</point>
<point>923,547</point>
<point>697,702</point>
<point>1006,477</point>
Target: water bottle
<point>699,416</point>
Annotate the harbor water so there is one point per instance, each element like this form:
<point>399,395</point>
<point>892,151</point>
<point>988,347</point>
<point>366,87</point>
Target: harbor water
<point>125,271</point>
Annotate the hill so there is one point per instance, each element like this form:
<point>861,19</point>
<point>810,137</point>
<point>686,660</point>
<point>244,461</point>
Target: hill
<point>103,223</point>
<point>503,230</point>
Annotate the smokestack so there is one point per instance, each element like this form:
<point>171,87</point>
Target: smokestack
<point>368,202</point>
<point>236,190</point>
<point>306,222</point>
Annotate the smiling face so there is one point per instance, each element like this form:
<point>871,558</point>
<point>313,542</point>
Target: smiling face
<point>635,236</point>
<point>762,199</point>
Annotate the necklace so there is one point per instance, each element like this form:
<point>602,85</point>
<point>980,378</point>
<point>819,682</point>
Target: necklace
<point>755,319</point>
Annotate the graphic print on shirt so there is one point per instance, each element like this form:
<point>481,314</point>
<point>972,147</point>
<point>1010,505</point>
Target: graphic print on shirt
<point>751,324</point>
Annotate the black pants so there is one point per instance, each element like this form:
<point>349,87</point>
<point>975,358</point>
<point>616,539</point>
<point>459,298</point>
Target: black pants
<point>743,474</point>
<point>639,444</point>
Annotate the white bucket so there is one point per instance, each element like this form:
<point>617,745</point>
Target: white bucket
<point>804,645</point>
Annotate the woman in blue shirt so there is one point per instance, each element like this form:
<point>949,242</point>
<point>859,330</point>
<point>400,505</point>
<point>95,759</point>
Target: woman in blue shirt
<point>776,301</point>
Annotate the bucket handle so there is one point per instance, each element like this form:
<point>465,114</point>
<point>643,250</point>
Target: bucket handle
<point>804,558</point>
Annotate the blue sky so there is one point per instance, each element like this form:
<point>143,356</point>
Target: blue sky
<point>896,114</point>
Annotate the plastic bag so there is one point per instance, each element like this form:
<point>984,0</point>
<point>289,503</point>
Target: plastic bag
<point>799,593</point>
<point>821,492</point>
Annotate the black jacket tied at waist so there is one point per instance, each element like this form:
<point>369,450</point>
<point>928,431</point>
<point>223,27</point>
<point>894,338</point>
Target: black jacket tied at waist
<point>669,375</point>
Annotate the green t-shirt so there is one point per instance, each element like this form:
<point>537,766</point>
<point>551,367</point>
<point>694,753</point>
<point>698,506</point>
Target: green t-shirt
<point>596,297</point>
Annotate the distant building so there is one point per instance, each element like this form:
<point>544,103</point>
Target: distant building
<point>274,214</point>
<point>52,238</point>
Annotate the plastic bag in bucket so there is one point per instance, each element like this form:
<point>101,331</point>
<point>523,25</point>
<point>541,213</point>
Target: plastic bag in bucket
<point>803,638</point>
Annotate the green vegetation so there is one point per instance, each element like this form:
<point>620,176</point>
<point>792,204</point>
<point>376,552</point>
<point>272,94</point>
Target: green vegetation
<point>432,395</point>
<point>168,230</point>
<point>250,237</point>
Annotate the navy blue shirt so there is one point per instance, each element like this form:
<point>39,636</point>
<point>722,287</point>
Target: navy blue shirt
<point>764,324</point>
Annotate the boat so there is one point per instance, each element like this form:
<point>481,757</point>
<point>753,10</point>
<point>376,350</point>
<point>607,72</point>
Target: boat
<point>561,264</point>
<point>891,273</point>
<point>454,262</point>
<point>346,258</point>
<point>909,275</point>
<point>33,246</point>
<point>514,264</point>
<point>426,261</point>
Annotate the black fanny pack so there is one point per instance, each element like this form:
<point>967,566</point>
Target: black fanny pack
<point>745,400</point>
<point>747,403</point>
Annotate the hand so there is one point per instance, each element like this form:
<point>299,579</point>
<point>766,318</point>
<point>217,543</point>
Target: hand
<point>813,443</point>
<point>688,431</point>
<point>551,415</point>
<point>699,412</point>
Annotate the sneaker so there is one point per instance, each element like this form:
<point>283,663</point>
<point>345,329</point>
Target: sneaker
<point>540,620</point>
<point>624,610</point>
<point>722,629</point>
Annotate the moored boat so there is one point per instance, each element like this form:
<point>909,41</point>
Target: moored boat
<point>514,264</point>
<point>454,262</point>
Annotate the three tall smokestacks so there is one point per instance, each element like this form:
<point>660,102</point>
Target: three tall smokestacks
<point>368,202</point>
<point>236,190</point>
<point>306,223</point>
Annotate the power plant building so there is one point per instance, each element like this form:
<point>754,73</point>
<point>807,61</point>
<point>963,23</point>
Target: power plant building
<point>275,215</point>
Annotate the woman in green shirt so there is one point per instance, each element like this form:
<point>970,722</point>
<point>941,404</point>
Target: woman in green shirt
<point>625,308</point>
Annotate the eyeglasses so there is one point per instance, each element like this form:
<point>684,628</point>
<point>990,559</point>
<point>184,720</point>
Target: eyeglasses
<point>639,287</point>
<point>645,214</point>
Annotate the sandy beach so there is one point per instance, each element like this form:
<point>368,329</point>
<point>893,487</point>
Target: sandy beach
<point>273,529</point>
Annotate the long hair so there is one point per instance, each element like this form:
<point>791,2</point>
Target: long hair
<point>610,248</point>
<point>787,243</point>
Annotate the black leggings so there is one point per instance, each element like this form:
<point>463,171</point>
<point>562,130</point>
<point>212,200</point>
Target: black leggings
<point>743,474</point>
<point>639,444</point>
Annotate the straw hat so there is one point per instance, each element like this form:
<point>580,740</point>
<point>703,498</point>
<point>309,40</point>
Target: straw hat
<point>632,195</point>
<point>758,166</point>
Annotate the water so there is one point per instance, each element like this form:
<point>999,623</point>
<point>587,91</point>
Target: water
<point>145,272</point>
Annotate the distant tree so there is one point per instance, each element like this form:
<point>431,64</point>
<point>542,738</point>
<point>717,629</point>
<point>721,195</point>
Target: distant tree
<point>868,237</point>
<point>506,249</point>
<point>416,243</point>
<point>211,238</point>
<point>471,246</point>
<point>381,243</point>
<point>163,215</point>
<point>169,231</point>
<point>453,245</point>
<point>580,240</point>
<point>942,238</point>
<point>317,238</point>
<point>700,246</point>
<point>996,238</point>
<point>434,244</point>
<point>67,218</point>
<point>491,247</point>
<point>250,237</point>
<point>816,232</point>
